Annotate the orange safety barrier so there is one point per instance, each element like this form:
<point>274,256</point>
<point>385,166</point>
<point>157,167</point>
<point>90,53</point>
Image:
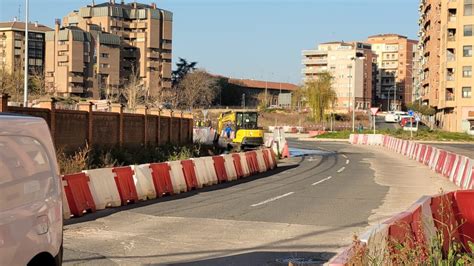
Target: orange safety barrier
<point>161,179</point>
<point>219,165</point>
<point>78,194</point>
<point>189,174</point>
<point>445,219</point>
<point>238,165</point>
<point>441,161</point>
<point>266,158</point>
<point>252,162</point>
<point>125,184</point>
<point>465,215</point>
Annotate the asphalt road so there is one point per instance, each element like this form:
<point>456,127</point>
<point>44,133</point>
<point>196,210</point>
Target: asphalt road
<point>264,220</point>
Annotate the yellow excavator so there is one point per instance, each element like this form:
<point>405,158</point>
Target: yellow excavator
<point>240,130</point>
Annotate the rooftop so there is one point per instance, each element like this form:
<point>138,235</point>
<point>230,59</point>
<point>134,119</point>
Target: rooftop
<point>262,84</point>
<point>20,26</point>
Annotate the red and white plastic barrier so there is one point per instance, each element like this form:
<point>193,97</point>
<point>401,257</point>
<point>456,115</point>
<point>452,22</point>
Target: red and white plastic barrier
<point>98,189</point>
<point>458,168</point>
<point>450,214</point>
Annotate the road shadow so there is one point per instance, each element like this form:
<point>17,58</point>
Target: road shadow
<point>266,258</point>
<point>109,211</point>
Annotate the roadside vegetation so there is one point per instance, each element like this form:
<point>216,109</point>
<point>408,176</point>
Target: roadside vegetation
<point>422,135</point>
<point>87,158</point>
<point>443,248</point>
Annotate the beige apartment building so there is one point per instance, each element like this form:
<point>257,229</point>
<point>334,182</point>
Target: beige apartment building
<point>351,67</point>
<point>397,67</point>
<point>447,40</point>
<point>99,47</point>
<point>12,47</point>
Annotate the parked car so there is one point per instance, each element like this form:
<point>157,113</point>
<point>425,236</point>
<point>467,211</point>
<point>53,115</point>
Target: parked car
<point>31,216</point>
<point>406,120</point>
<point>391,117</point>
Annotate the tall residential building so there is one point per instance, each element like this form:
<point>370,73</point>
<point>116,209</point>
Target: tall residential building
<point>396,68</point>
<point>447,40</point>
<point>12,46</point>
<point>141,33</point>
<point>82,62</point>
<point>351,67</point>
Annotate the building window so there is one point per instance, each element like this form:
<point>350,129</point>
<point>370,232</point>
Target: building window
<point>467,51</point>
<point>62,63</point>
<point>467,71</point>
<point>468,30</point>
<point>468,7</point>
<point>466,92</point>
<point>104,65</point>
<point>104,55</point>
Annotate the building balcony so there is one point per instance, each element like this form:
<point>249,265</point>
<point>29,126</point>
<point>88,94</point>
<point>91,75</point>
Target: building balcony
<point>153,64</point>
<point>323,61</point>
<point>167,46</point>
<point>153,55</point>
<point>138,25</point>
<point>75,89</point>
<point>75,79</point>
<point>63,47</point>
<point>166,56</point>
<point>314,52</point>
<point>314,70</point>
<point>63,58</point>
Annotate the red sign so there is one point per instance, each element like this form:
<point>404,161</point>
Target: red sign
<point>374,110</point>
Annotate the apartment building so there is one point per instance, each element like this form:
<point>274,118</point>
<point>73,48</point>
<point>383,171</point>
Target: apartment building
<point>125,39</point>
<point>447,40</point>
<point>12,46</point>
<point>396,69</point>
<point>351,65</point>
<point>82,62</point>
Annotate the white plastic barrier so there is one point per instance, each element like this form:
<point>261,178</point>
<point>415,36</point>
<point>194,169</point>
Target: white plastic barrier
<point>205,172</point>
<point>245,166</point>
<point>103,188</point>
<point>230,167</point>
<point>143,182</point>
<point>177,177</point>
<point>66,211</point>
<point>466,179</point>
<point>262,167</point>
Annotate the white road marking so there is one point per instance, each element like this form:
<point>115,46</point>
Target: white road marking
<point>341,170</point>
<point>272,199</point>
<point>321,181</point>
<point>348,161</point>
<point>345,156</point>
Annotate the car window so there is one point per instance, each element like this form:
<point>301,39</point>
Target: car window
<point>26,175</point>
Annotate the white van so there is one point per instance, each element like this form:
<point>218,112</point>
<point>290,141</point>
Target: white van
<point>31,216</point>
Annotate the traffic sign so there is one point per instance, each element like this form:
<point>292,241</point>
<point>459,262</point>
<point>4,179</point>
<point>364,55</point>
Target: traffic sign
<point>411,113</point>
<point>417,118</point>
<point>374,110</point>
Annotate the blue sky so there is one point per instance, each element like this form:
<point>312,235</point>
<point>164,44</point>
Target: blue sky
<point>259,39</point>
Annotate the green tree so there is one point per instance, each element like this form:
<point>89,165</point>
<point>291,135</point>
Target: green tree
<point>182,69</point>
<point>320,95</point>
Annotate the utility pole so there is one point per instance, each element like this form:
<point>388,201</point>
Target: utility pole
<point>25,76</point>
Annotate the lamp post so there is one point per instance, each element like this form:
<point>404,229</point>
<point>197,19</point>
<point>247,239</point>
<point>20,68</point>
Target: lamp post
<point>25,76</point>
<point>353,100</point>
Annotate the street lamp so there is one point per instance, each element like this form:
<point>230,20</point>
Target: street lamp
<point>353,100</point>
<point>25,76</point>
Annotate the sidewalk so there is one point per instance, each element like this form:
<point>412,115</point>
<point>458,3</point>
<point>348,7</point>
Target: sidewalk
<point>407,180</point>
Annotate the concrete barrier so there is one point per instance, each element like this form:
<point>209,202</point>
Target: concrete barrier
<point>229,167</point>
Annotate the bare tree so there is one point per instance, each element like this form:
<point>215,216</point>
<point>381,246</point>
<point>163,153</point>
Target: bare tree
<point>197,88</point>
<point>134,91</point>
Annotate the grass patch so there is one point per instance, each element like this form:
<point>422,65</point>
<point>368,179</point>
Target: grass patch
<point>422,134</point>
